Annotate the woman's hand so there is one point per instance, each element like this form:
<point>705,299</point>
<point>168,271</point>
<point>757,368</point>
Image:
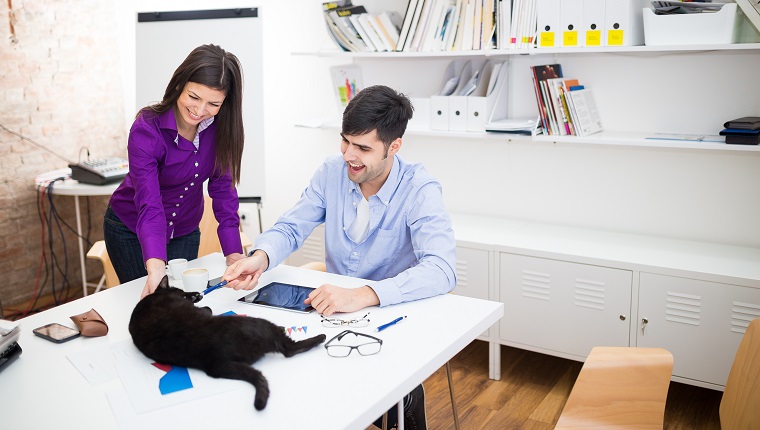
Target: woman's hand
<point>156,272</point>
<point>232,258</point>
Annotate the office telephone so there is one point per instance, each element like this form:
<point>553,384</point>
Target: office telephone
<point>100,171</point>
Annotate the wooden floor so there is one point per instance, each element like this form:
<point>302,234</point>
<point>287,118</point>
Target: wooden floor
<point>532,392</point>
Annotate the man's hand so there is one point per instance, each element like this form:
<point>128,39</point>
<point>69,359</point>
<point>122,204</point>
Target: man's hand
<point>244,273</point>
<point>329,299</point>
<point>156,271</point>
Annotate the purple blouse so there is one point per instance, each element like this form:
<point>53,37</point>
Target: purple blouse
<point>162,196</point>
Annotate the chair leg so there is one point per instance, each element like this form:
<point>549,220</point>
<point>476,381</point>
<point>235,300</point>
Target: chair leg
<point>451,393</point>
<point>100,284</point>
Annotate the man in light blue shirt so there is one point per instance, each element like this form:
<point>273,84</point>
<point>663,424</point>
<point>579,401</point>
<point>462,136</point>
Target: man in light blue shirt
<point>384,221</point>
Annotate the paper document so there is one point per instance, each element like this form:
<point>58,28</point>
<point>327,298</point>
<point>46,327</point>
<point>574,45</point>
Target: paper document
<point>686,137</point>
<point>513,125</point>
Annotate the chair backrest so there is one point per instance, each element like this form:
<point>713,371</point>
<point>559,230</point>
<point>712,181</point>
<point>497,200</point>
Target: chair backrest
<point>209,239</point>
<point>99,252</point>
<point>740,405</point>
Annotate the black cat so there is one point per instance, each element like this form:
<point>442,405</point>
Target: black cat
<point>167,327</point>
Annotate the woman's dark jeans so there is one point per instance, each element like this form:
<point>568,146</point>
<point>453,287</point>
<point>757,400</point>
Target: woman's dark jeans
<point>126,254</point>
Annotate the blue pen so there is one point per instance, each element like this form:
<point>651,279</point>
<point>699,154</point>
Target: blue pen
<point>386,325</point>
<point>210,289</point>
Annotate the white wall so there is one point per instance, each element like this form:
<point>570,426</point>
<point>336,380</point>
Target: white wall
<point>691,194</point>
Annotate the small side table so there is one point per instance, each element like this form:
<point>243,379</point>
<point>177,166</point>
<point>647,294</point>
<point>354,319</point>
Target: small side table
<point>70,187</point>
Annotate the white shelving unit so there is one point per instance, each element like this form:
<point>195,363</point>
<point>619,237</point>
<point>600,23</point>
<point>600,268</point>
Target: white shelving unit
<point>573,61</point>
<point>539,51</point>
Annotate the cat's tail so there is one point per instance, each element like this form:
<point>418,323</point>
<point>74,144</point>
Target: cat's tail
<point>244,372</point>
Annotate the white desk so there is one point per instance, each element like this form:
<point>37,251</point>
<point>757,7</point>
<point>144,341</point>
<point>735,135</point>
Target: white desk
<point>42,389</point>
<point>70,187</point>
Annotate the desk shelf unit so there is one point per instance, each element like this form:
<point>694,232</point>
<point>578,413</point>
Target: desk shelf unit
<point>566,290</point>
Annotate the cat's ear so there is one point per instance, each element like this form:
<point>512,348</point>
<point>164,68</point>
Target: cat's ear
<point>164,282</point>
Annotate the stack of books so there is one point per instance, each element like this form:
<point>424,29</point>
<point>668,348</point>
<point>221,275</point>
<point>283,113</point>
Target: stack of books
<point>427,26</point>
<point>565,106</point>
<point>355,30</point>
<point>742,131</point>
<point>449,25</point>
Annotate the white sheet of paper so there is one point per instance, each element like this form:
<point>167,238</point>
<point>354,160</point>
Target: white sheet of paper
<point>98,365</point>
<point>140,380</point>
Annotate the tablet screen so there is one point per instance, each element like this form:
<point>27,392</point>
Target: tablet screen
<point>282,296</point>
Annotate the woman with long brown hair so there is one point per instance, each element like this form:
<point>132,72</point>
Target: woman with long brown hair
<point>194,134</point>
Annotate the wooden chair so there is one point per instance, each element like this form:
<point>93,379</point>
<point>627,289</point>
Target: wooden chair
<point>209,244</point>
<point>99,252</point>
<point>209,239</point>
<point>740,405</point>
<point>320,266</point>
<point>619,388</point>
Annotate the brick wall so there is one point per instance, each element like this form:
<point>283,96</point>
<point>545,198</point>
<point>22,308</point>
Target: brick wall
<point>59,86</point>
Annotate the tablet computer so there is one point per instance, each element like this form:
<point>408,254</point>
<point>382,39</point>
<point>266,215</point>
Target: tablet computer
<point>280,296</point>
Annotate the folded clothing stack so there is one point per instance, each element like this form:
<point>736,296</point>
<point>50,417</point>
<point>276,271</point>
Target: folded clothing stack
<point>742,131</point>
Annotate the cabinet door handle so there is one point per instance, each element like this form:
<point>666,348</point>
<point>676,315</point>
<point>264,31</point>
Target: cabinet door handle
<point>644,323</point>
<point>622,317</point>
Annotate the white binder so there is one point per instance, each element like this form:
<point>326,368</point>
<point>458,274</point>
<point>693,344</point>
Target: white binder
<point>548,23</point>
<point>497,94</point>
<point>570,23</point>
<point>480,102</point>
<point>593,33</point>
<point>458,101</point>
<point>624,22</point>
<point>439,103</point>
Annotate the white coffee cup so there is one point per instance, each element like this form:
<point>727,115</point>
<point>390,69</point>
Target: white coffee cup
<point>176,267</point>
<point>194,280</point>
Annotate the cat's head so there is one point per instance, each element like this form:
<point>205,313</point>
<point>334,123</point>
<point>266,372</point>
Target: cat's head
<point>165,288</point>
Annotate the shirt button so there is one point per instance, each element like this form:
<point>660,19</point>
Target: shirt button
<point>355,254</point>
<point>174,213</point>
<point>354,203</point>
<point>177,204</point>
<point>185,188</point>
<point>171,223</point>
<point>181,197</point>
<point>344,228</point>
<point>192,184</point>
<point>196,164</point>
<point>195,152</point>
<point>196,175</point>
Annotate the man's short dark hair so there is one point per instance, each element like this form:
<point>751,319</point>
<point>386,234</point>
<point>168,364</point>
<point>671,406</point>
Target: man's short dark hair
<point>377,108</point>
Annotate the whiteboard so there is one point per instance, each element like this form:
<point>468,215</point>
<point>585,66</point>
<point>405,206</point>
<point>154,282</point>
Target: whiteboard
<point>163,41</point>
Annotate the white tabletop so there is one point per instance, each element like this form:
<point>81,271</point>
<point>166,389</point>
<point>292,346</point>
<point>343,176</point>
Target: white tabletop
<point>718,262</point>
<point>72,187</point>
<point>42,389</point>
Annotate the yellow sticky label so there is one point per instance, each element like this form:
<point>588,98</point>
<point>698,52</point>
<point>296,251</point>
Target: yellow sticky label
<point>547,39</point>
<point>570,38</point>
<point>593,37</point>
<point>615,37</point>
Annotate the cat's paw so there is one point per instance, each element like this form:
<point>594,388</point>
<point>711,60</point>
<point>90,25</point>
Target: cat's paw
<point>194,297</point>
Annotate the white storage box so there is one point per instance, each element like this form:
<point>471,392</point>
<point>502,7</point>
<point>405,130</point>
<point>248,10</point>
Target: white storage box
<point>690,29</point>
